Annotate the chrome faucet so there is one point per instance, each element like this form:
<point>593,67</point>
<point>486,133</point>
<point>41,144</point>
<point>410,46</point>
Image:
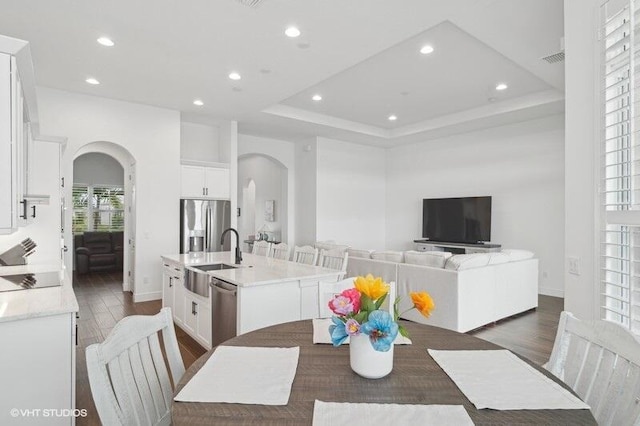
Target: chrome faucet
<point>238,252</point>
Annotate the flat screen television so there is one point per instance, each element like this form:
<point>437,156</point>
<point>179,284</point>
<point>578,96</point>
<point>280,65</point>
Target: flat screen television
<point>457,220</point>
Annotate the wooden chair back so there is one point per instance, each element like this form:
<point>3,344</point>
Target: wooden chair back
<point>600,361</point>
<point>280,251</point>
<point>261,248</point>
<point>128,374</point>
<point>334,259</point>
<point>305,254</point>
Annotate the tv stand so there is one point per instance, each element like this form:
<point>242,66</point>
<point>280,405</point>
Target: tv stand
<point>456,248</point>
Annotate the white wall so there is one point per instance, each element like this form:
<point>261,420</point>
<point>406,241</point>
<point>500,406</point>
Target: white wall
<point>520,166</point>
<point>152,136</point>
<point>581,69</point>
<point>95,168</point>
<point>305,191</point>
<point>270,180</point>
<point>284,153</point>
<point>199,142</point>
<point>351,198</point>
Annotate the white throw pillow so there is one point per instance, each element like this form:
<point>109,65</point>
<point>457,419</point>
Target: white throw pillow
<point>435,259</point>
<point>515,255</point>
<point>461,262</point>
<point>364,254</point>
<point>497,258</point>
<point>389,256</point>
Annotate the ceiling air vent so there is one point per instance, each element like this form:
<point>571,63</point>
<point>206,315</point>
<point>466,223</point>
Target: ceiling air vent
<point>251,3</point>
<point>554,58</point>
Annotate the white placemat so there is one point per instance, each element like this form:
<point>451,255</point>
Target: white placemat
<point>502,381</point>
<point>355,414</point>
<point>244,375</point>
<point>321,333</point>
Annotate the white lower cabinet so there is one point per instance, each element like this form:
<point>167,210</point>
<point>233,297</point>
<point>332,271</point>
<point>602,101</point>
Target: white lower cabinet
<point>37,367</point>
<point>197,318</point>
<point>173,289</point>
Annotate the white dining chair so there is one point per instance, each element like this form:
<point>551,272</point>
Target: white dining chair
<point>306,254</point>
<point>334,259</point>
<point>600,361</point>
<point>328,290</point>
<point>280,251</point>
<point>128,375</point>
<point>261,248</point>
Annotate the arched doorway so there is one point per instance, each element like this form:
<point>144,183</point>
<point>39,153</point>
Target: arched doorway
<point>263,197</point>
<point>109,169</point>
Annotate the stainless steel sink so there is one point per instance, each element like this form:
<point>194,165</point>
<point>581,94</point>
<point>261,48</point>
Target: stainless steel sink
<point>214,267</point>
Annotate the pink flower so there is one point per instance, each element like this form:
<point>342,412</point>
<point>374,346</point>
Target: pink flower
<point>352,327</point>
<point>346,303</point>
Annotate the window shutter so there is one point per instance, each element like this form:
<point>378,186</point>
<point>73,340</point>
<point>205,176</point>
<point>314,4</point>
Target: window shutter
<point>620,165</point>
<point>80,198</point>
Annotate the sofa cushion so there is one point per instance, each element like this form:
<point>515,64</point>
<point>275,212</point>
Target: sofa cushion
<point>108,259</point>
<point>98,242</point>
<point>515,255</point>
<point>364,254</point>
<point>497,258</point>
<point>389,256</point>
<point>435,259</point>
<point>461,262</point>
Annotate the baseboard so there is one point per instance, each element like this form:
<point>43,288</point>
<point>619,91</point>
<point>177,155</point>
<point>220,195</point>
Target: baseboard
<point>548,291</point>
<point>145,297</point>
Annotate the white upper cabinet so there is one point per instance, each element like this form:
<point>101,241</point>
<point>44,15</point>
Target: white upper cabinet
<point>204,182</point>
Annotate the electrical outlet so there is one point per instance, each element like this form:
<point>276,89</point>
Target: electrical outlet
<point>574,265</point>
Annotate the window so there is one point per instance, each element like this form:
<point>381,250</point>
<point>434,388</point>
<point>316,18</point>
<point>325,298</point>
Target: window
<point>620,161</point>
<point>97,208</point>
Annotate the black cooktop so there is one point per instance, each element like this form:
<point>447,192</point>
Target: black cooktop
<point>29,281</point>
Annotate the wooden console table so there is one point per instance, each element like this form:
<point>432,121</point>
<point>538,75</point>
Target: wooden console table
<point>456,248</point>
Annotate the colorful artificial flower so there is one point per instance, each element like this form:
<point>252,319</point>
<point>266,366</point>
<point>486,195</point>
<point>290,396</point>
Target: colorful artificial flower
<point>372,287</point>
<point>381,329</point>
<point>423,303</point>
<point>345,303</point>
<point>352,327</point>
<point>338,331</point>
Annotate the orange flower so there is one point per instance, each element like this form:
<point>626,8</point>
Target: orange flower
<point>423,302</point>
<point>375,288</point>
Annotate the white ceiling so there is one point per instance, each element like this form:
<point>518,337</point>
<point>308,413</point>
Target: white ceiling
<point>362,55</point>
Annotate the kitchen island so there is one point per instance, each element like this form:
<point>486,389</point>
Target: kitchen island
<point>267,292</point>
<point>37,359</point>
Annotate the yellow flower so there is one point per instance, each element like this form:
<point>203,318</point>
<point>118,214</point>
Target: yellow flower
<point>374,288</point>
<point>423,302</point>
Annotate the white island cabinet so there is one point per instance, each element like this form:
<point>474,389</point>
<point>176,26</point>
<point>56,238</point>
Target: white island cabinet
<point>269,292</point>
<point>38,353</point>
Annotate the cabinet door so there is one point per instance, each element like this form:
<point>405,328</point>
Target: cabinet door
<point>192,182</point>
<point>167,289</point>
<point>190,314</point>
<point>7,202</point>
<point>204,325</point>
<point>178,300</point>
<point>217,183</point>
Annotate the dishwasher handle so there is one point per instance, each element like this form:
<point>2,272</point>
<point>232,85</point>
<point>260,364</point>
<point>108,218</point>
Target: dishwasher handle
<point>223,287</point>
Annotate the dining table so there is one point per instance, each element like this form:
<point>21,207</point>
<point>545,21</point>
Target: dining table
<point>324,373</point>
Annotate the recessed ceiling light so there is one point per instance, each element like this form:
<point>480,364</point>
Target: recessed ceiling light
<point>426,49</point>
<point>392,117</point>
<point>198,102</point>
<point>106,41</point>
<point>292,32</point>
<point>234,76</point>
<point>316,98</point>
<point>92,80</point>
<point>501,86</point>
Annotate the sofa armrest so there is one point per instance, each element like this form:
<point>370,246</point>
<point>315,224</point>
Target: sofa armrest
<point>83,250</point>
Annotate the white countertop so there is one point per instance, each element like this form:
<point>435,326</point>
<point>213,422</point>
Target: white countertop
<point>37,302</point>
<point>255,270</point>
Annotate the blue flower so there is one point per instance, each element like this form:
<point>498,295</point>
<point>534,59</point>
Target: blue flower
<point>381,329</point>
<point>338,331</point>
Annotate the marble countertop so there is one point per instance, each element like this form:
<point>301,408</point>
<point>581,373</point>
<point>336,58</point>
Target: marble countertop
<point>37,302</point>
<point>255,270</point>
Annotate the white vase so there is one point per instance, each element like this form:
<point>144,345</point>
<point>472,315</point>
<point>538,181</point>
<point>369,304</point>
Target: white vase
<point>366,361</point>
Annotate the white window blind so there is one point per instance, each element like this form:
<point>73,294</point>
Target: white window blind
<point>97,208</point>
<point>620,162</point>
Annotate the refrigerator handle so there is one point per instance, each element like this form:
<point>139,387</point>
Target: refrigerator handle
<point>207,240</point>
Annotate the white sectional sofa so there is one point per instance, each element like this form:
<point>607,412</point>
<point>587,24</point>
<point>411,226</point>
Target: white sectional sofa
<point>469,290</point>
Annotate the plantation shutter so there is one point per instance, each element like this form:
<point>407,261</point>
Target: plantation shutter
<point>80,219</point>
<point>620,165</point>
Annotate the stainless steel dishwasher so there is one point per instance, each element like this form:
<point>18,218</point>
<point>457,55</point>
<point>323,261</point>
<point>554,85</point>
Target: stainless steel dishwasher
<point>224,307</point>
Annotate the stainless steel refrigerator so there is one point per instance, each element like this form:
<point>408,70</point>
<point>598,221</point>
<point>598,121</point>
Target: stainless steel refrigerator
<point>202,223</point>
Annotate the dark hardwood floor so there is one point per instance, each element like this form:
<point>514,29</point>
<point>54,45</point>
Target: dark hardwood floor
<point>103,303</point>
